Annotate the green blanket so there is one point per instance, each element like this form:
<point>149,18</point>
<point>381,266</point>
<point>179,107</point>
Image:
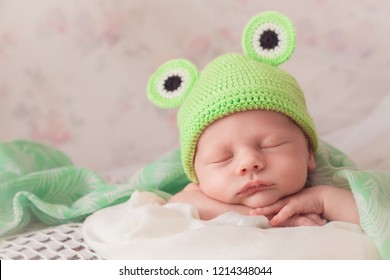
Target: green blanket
<point>38,182</point>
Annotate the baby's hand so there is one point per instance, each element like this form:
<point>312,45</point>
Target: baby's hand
<point>302,209</point>
<point>302,220</point>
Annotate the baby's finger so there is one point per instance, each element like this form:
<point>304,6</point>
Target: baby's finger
<point>257,211</point>
<point>302,221</point>
<point>254,212</point>
<point>270,209</point>
<point>298,220</point>
<point>316,219</point>
<point>284,214</point>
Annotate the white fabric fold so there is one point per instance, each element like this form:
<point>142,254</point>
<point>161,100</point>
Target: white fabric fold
<point>145,227</point>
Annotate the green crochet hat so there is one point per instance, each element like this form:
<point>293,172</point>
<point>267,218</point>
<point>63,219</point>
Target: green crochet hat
<point>233,83</point>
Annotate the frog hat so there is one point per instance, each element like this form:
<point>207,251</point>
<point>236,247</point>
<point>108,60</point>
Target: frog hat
<point>233,83</point>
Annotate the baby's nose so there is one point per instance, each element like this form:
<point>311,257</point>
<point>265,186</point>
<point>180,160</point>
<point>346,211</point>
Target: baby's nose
<point>245,170</point>
<point>251,164</point>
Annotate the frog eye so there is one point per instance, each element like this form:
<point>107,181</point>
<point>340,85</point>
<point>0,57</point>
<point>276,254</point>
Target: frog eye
<point>171,82</point>
<point>269,37</point>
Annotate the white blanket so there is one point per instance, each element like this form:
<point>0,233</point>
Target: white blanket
<point>146,228</point>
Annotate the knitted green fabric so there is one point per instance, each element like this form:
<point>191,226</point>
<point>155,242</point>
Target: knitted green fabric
<point>259,34</point>
<point>171,83</point>
<point>233,83</point>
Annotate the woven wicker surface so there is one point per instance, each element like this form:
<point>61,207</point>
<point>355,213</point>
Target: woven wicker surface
<point>63,242</point>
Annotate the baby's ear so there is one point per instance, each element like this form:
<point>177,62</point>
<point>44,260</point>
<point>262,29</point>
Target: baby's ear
<point>171,82</point>
<point>311,161</point>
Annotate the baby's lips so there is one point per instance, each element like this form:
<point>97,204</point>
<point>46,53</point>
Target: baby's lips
<point>254,186</point>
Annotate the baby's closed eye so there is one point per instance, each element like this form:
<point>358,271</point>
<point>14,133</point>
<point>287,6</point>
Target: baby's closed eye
<point>273,142</point>
<point>273,145</point>
<point>219,155</point>
<point>221,158</point>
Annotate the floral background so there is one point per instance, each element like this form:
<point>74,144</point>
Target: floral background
<point>73,73</point>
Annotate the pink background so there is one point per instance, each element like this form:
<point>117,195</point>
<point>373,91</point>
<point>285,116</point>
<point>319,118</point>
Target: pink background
<point>73,73</point>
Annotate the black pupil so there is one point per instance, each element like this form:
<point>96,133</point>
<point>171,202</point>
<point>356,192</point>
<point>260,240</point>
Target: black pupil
<point>172,83</point>
<point>269,40</point>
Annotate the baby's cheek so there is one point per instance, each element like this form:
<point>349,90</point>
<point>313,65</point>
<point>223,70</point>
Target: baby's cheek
<point>215,186</point>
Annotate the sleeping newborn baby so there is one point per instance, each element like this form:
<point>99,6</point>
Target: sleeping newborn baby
<point>256,167</point>
<point>247,140</point>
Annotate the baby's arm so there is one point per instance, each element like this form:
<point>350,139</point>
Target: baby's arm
<point>208,208</point>
<point>330,202</point>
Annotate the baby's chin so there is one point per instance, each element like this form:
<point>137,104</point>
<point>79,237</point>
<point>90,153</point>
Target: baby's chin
<point>257,201</point>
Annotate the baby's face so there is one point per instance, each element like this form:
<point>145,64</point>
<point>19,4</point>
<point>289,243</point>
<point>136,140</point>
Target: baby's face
<point>252,158</point>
